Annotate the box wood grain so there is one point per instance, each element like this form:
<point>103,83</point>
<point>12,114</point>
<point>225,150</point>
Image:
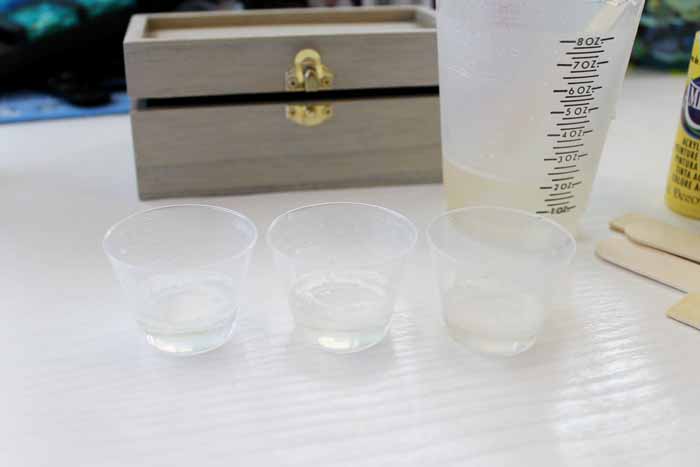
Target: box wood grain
<point>207,54</point>
<point>214,150</point>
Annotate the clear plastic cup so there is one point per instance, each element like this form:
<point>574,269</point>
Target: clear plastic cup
<point>342,263</point>
<point>182,269</point>
<point>497,271</point>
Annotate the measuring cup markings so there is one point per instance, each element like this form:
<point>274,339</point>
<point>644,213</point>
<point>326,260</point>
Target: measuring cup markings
<point>585,57</point>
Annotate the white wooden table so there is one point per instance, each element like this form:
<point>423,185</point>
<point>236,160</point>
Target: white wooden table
<point>612,381</point>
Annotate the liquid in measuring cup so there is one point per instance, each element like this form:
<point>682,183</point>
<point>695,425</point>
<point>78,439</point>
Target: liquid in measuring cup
<point>528,91</point>
<point>342,311</point>
<point>465,187</point>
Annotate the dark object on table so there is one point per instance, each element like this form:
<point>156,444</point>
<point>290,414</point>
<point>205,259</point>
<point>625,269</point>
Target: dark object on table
<point>255,4</point>
<point>77,89</point>
<point>41,39</point>
<point>666,33</point>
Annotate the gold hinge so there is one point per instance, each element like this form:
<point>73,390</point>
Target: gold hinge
<point>309,114</point>
<point>309,74</point>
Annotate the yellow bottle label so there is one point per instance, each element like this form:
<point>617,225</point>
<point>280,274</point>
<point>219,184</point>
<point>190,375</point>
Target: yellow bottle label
<point>683,189</point>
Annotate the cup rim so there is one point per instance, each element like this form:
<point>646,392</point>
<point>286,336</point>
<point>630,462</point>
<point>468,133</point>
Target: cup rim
<point>401,254</point>
<point>243,251</point>
<point>557,226</point>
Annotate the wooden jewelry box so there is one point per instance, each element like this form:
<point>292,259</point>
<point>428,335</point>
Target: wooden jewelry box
<point>270,100</point>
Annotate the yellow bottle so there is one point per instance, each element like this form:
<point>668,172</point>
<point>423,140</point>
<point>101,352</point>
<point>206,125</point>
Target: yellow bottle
<point>683,189</point>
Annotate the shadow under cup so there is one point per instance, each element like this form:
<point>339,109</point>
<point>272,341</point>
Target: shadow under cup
<point>342,263</point>
<point>497,271</point>
<point>182,269</point>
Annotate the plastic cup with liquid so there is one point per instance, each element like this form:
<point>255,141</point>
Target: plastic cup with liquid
<point>497,272</point>
<point>341,264</point>
<point>183,270</point>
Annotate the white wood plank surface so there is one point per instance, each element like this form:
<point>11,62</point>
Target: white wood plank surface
<point>612,382</point>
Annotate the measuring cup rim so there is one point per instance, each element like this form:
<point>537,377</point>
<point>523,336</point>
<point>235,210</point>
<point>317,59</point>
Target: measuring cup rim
<point>240,253</point>
<point>401,254</point>
<point>557,226</point>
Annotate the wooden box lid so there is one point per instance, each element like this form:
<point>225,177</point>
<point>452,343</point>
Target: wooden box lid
<point>230,53</point>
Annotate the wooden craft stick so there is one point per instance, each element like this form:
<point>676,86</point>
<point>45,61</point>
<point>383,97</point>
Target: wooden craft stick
<point>657,250</point>
<point>668,238</point>
<point>687,311</point>
<point>662,267</point>
<point>621,223</point>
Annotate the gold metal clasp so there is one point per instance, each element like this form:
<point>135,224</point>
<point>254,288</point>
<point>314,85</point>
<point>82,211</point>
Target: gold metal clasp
<point>308,73</point>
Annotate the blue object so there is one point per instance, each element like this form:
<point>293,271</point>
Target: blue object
<point>100,7</point>
<point>40,19</point>
<point>44,19</point>
<point>31,106</point>
<point>7,5</point>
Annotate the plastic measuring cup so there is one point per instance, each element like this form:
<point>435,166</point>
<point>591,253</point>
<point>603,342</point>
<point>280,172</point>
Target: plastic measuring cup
<point>497,269</point>
<point>183,270</point>
<point>342,263</point>
<point>528,90</point>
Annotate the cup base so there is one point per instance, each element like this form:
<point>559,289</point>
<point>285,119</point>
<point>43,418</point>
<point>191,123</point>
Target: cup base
<point>486,346</point>
<point>192,343</point>
<point>341,342</point>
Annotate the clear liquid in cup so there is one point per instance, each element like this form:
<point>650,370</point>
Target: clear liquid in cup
<point>344,311</point>
<point>190,318</point>
<point>492,318</point>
